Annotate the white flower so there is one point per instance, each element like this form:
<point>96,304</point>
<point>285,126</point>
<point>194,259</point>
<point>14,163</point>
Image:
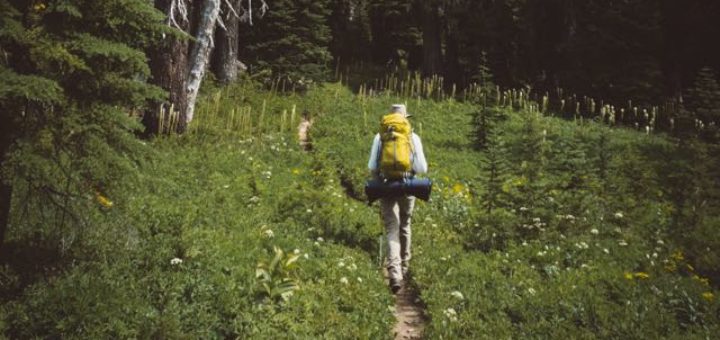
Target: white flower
<point>606,251</point>
<point>451,314</point>
<point>541,253</point>
<point>268,233</point>
<point>352,266</point>
<point>524,209</point>
<point>226,186</point>
<point>176,261</point>
<point>341,264</point>
<point>660,242</point>
<point>344,280</point>
<point>536,220</point>
<point>309,211</point>
<point>594,231</point>
<point>320,239</point>
<point>306,256</point>
<point>619,214</point>
<point>296,251</point>
<point>622,243</point>
<point>456,294</point>
<point>359,279</point>
<point>531,291</point>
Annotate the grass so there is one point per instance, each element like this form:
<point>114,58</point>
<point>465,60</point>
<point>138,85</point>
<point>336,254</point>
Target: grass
<point>583,238</point>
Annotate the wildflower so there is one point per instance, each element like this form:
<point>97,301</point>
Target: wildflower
<point>709,296</point>
<point>309,211</point>
<point>352,267</point>
<point>660,242</point>
<point>296,251</point>
<point>344,280</point>
<point>524,209</point>
<point>628,275</point>
<point>456,294</point>
<point>254,199</point>
<point>641,275</point>
<point>104,201</point>
<point>451,314</point>
<point>458,188</point>
<point>320,239</point>
<point>531,291</point>
<point>341,264</point>
<point>296,171</point>
<point>606,251</point>
<point>359,279</point>
<point>594,231</point>
<point>622,243</point>
<point>619,214</point>
<point>268,233</point>
<point>306,256</point>
<point>677,256</point>
<point>176,261</point>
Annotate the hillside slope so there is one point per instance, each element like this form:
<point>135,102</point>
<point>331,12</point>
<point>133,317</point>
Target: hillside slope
<point>550,228</point>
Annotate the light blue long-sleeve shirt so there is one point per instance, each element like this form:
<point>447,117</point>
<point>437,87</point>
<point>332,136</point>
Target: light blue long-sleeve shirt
<point>417,158</point>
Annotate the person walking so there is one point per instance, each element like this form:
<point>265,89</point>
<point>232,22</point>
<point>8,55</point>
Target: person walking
<point>397,154</point>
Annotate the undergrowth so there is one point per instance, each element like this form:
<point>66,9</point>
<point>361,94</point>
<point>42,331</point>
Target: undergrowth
<point>537,227</point>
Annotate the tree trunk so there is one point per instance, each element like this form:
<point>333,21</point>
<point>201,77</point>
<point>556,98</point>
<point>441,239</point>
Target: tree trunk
<point>431,33</point>
<point>201,54</point>
<point>225,56</point>
<point>169,65</point>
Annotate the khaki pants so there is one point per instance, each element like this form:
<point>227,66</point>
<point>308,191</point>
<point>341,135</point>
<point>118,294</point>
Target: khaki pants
<point>396,213</point>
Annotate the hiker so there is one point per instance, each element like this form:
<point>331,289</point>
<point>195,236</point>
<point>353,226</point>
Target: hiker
<point>397,154</point>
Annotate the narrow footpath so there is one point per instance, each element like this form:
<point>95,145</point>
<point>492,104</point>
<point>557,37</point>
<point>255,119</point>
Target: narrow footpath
<point>409,309</point>
<point>410,314</point>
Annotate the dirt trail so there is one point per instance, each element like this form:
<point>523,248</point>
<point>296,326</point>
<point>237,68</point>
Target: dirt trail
<point>409,312</point>
<point>409,309</point>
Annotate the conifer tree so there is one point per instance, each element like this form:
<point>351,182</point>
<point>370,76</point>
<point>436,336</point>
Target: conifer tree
<point>291,42</point>
<point>72,74</point>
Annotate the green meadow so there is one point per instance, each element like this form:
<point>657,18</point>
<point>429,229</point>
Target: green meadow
<point>538,227</point>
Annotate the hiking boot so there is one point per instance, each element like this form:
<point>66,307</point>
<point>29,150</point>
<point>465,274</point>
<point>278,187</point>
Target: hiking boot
<point>395,286</point>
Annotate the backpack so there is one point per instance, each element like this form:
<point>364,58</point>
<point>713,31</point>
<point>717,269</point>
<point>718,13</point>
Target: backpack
<point>396,147</point>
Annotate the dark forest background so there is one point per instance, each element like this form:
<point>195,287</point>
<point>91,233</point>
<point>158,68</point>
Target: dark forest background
<point>644,50</point>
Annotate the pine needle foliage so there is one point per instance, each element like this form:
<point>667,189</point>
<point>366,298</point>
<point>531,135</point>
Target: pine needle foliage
<point>72,74</point>
<point>291,43</point>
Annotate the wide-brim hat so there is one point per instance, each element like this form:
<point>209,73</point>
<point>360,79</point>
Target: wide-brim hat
<point>400,108</point>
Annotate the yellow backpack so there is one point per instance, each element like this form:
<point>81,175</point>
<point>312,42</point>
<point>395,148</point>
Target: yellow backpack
<point>396,149</point>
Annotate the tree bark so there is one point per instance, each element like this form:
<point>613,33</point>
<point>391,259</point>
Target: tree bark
<point>225,56</point>
<point>169,66</point>
<point>200,55</point>
<point>431,33</point>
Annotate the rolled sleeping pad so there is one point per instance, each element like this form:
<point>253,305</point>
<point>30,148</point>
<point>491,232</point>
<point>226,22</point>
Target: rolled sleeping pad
<point>379,188</point>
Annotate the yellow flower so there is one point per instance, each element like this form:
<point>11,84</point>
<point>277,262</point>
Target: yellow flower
<point>458,188</point>
<point>703,280</point>
<point>642,275</point>
<point>39,7</point>
<point>104,201</point>
<point>678,256</point>
<point>296,171</point>
<point>709,296</point>
<point>628,276</point>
